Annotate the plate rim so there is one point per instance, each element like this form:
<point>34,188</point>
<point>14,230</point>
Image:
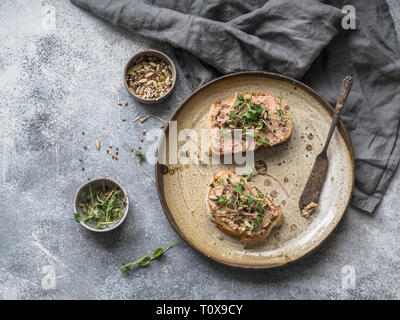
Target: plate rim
<point>270,75</point>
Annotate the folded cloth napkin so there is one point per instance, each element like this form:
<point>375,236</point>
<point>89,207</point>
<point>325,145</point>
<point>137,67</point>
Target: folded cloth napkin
<point>303,39</point>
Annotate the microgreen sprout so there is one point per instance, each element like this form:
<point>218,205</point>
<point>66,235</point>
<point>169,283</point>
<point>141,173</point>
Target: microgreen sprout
<point>145,260</point>
<point>140,157</point>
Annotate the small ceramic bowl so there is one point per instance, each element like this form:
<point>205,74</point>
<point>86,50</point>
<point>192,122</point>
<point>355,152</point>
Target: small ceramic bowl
<point>150,53</point>
<point>83,191</point>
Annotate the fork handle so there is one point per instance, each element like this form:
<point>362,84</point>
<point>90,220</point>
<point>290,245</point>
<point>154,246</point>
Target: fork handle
<point>347,83</point>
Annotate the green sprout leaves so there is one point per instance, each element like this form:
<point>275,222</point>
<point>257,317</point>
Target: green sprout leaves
<point>145,260</point>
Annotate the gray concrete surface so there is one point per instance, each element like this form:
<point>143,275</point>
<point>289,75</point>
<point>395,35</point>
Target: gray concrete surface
<point>59,80</point>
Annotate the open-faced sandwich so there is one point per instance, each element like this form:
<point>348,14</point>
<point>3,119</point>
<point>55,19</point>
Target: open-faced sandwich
<point>239,209</point>
<point>259,115</point>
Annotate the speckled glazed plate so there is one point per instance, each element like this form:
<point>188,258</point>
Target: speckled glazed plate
<point>182,188</point>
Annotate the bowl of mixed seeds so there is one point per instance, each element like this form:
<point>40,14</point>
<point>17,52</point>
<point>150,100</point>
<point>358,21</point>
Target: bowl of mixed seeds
<point>101,205</point>
<point>150,76</point>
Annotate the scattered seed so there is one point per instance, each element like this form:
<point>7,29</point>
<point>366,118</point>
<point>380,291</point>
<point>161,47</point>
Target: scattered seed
<point>144,118</point>
<point>126,104</point>
<point>274,194</point>
<point>80,160</point>
<point>113,156</point>
<point>84,147</point>
<point>164,169</point>
<point>261,167</point>
<point>97,145</point>
<point>108,151</point>
<point>123,120</point>
<point>83,133</point>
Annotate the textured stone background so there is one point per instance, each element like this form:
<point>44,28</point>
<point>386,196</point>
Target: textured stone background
<point>56,82</point>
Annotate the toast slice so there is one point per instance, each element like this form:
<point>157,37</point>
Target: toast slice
<point>239,209</point>
<point>260,115</point>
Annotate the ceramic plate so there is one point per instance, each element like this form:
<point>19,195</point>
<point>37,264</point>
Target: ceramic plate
<point>182,187</point>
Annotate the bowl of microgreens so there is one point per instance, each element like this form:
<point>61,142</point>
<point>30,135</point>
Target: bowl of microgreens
<point>101,205</point>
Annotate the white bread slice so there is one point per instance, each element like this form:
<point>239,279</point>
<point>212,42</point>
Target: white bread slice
<point>272,216</point>
<point>277,132</point>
